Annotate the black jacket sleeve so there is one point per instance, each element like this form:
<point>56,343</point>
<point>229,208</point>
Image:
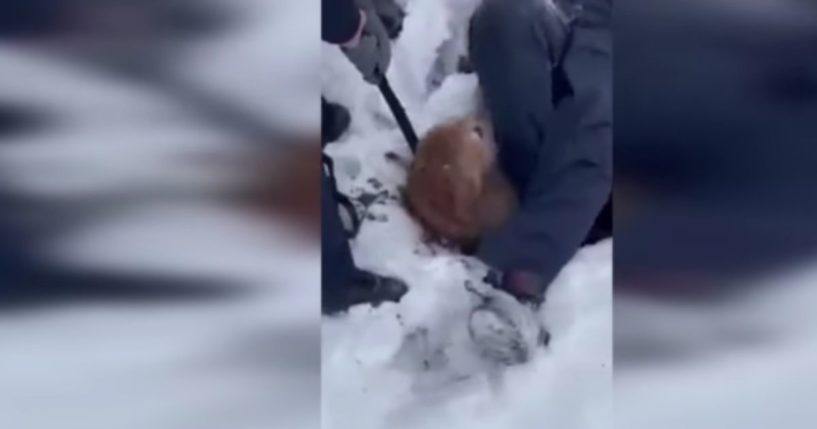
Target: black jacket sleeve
<point>573,177</point>
<point>340,20</point>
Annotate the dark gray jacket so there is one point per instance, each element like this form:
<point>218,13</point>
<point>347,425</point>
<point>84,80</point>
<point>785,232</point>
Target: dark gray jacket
<point>571,176</point>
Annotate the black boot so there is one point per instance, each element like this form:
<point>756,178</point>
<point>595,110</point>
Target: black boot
<point>376,289</point>
<point>368,288</point>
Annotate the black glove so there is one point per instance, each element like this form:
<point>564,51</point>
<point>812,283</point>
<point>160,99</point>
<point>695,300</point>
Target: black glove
<point>525,286</point>
<point>372,55</point>
<point>374,289</point>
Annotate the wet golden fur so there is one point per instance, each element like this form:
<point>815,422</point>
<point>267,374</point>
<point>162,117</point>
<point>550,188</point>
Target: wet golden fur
<point>455,189</point>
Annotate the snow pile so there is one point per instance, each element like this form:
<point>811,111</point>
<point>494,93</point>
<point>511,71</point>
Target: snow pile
<point>410,365</point>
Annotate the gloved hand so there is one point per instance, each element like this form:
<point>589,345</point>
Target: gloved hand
<point>504,330</point>
<point>372,54</point>
<point>526,287</point>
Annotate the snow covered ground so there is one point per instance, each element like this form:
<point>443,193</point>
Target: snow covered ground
<point>410,365</point>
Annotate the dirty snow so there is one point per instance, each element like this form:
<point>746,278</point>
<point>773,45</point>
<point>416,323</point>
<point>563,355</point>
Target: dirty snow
<point>410,365</point>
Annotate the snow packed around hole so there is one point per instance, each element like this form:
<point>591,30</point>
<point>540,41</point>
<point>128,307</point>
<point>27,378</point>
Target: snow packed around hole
<point>411,364</point>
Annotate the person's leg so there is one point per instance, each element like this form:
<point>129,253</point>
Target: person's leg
<point>337,266</point>
<point>513,45</point>
<point>342,283</point>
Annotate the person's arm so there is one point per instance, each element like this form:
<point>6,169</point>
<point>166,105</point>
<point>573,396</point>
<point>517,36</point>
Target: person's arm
<point>557,214</point>
<point>574,172</point>
<point>341,21</point>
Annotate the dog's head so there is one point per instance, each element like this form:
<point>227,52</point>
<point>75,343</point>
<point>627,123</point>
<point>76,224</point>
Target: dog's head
<point>447,178</point>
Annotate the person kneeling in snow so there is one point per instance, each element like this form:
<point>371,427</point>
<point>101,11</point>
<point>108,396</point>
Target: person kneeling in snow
<point>546,77</point>
<point>545,72</point>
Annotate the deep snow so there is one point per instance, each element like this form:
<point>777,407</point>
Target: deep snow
<point>411,365</point>
<point>251,361</point>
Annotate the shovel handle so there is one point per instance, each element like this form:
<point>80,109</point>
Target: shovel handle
<point>399,114</point>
